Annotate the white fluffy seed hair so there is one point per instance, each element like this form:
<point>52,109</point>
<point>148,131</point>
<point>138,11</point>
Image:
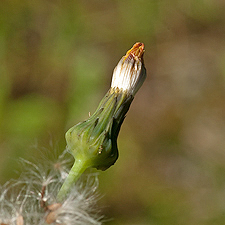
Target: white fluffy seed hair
<point>31,200</point>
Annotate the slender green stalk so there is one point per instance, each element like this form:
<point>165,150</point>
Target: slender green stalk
<point>78,168</point>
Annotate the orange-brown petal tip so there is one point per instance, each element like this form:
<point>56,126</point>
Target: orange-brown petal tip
<point>136,51</point>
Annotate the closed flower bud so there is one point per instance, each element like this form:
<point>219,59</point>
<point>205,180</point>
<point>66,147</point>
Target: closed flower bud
<point>93,143</point>
<point>130,72</point>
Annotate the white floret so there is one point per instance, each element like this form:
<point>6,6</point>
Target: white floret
<point>128,75</point>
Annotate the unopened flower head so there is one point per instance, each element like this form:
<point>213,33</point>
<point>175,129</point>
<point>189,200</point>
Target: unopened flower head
<point>93,142</point>
<point>130,72</point>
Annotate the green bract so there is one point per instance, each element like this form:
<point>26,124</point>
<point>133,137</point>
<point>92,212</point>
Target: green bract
<point>94,141</point>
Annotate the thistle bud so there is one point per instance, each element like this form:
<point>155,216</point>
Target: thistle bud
<point>130,72</point>
<point>93,142</point>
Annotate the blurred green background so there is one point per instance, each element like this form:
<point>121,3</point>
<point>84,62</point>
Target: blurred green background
<point>56,62</point>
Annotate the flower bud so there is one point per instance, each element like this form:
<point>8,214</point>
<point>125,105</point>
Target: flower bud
<point>93,142</point>
<point>130,72</point>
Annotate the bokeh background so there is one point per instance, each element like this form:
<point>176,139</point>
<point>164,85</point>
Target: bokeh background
<point>56,62</point>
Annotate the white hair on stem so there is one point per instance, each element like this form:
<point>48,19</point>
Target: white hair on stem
<point>32,198</point>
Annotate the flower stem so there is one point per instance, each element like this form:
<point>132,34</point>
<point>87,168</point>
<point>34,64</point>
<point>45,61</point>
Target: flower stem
<point>78,168</point>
